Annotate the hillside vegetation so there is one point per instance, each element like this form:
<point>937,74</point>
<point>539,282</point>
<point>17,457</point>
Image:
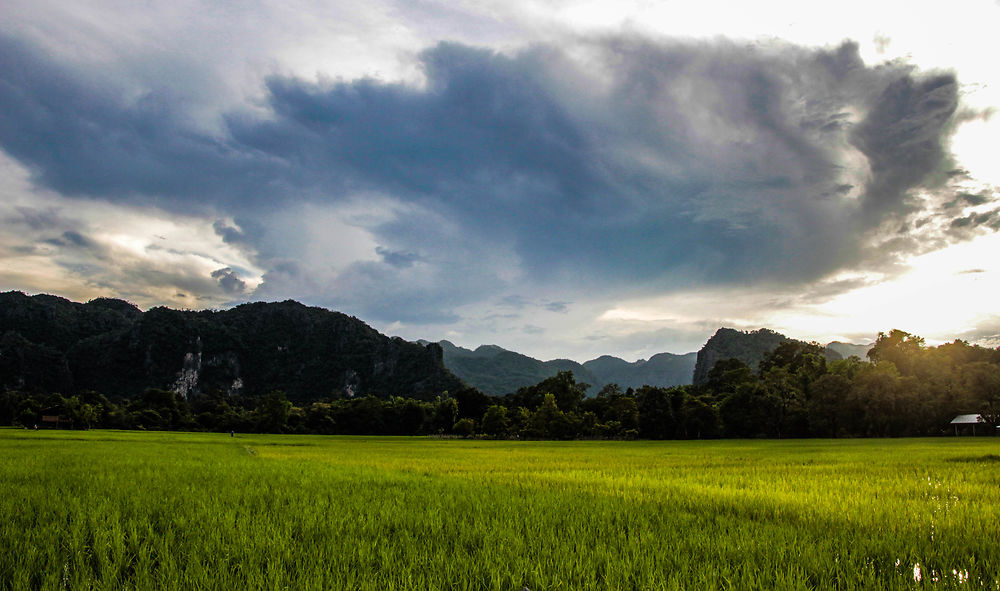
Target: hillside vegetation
<point>288,368</point>
<point>497,371</point>
<point>50,344</point>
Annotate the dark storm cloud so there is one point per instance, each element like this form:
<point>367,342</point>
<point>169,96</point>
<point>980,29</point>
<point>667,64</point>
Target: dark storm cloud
<point>73,240</point>
<point>903,137</point>
<point>989,220</point>
<point>975,199</point>
<point>229,281</point>
<point>401,260</point>
<point>38,219</point>
<point>79,136</point>
<point>77,239</point>
<point>229,234</point>
<point>647,165</point>
<point>740,175</point>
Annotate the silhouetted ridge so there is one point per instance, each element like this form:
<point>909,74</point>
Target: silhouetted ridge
<point>495,370</point>
<point>749,347</point>
<point>661,370</point>
<point>112,347</point>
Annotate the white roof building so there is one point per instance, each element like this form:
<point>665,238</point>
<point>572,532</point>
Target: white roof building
<point>967,420</point>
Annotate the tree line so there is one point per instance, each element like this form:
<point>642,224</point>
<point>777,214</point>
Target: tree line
<point>904,388</point>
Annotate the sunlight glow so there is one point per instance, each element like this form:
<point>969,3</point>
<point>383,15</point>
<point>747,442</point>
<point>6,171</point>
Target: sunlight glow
<point>945,294</point>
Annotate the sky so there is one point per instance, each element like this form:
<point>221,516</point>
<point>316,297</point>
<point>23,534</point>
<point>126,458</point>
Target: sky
<point>566,179</point>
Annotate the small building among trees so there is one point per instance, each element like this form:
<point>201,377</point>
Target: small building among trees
<point>56,422</point>
<point>963,421</point>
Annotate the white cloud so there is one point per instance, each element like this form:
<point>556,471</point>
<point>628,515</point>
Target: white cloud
<point>86,249</point>
<point>213,57</point>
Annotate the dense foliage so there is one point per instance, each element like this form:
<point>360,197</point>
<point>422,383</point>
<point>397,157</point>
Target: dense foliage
<point>751,347</point>
<point>288,368</point>
<point>727,343</point>
<point>905,389</point>
<point>50,344</point>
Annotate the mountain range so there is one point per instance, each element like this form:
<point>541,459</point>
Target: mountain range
<point>110,346</point>
<point>51,344</point>
<point>495,370</point>
<point>750,347</point>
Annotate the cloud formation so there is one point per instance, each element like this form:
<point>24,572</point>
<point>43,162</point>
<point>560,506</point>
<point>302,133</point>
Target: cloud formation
<point>617,165</point>
<point>229,280</point>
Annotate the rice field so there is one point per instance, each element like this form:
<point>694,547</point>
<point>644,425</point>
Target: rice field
<point>133,510</point>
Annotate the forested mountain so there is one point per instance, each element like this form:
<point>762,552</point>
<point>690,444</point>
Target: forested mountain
<point>661,370</point>
<point>54,345</point>
<point>285,367</point>
<point>497,371</point>
<point>848,349</point>
<point>750,348</point>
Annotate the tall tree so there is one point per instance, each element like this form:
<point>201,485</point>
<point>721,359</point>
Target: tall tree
<point>982,381</point>
<point>900,348</point>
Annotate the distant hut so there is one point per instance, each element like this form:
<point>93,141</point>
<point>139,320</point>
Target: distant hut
<point>56,422</point>
<point>50,421</point>
<point>962,420</point>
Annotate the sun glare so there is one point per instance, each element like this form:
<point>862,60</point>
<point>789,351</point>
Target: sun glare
<point>942,296</point>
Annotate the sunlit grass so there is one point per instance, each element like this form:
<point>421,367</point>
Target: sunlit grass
<point>117,510</point>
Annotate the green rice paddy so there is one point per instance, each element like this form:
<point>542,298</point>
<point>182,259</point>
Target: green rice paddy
<point>132,510</point>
